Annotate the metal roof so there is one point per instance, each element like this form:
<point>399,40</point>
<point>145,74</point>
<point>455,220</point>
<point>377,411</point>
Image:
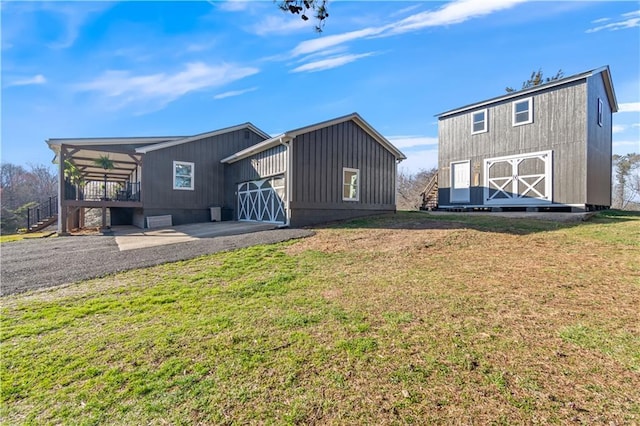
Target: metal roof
<point>291,134</point>
<point>606,74</point>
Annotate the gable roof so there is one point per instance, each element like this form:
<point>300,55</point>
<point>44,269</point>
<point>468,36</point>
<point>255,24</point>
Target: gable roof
<point>292,134</point>
<point>606,76</point>
<point>248,126</point>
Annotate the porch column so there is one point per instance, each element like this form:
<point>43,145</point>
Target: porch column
<point>62,208</point>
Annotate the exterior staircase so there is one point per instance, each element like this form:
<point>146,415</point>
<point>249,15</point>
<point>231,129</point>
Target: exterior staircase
<point>430,194</point>
<point>42,215</point>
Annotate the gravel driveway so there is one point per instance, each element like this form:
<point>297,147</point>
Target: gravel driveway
<point>40,263</point>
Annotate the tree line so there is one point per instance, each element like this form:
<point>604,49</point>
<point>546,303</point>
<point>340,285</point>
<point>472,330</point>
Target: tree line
<point>22,188</point>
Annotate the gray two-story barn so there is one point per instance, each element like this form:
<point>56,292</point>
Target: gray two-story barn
<point>547,147</point>
<point>333,170</point>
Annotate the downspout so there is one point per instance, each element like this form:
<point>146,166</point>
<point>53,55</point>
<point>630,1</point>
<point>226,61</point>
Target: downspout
<point>287,179</point>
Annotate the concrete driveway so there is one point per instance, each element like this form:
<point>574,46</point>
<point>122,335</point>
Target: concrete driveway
<point>131,237</point>
<point>47,262</point>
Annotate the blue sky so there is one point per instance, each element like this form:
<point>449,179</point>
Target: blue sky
<point>91,69</point>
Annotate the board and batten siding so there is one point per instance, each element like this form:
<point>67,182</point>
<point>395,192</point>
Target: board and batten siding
<point>598,183</point>
<point>559,116</point>
<point>268,163</point>
<point>189,206</point>
<point>318,160</point>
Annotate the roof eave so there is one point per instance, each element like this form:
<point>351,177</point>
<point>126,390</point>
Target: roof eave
<point>187,139</point>
<point>517,94</point>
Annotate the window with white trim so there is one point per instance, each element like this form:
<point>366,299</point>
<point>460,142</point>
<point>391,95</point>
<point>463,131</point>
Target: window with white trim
<point>350,184</point>
<point>479,122</point>
<point>600,112</point>
<point>183,175</point>
<point>522,111</point>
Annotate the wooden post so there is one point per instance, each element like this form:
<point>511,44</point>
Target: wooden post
<point>62,208</point>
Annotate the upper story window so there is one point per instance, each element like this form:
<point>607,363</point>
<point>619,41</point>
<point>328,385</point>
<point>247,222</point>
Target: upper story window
<point>350,184</point>
<point>479,122</point>
<point>183,173</point>
<point>600,109</point>
<point>522,111</point>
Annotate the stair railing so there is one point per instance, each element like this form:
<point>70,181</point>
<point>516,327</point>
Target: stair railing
<point>429,202</point>
<point>42,211</point>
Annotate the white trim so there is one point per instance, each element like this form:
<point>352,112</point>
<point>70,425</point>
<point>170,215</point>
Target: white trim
<point>582,76</point>
<point>260,203</point>
<point>600,112</point>
<point>484,121</point>
<point>193,175</point>
<point>511,195</point>
<point>357,185</point>
<point>452,187</point>
<point>188,139</point>
<point>529,102</point>
<point>292,134</point>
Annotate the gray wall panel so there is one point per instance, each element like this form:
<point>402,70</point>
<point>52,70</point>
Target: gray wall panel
<point>598,145</point>
<point>558,124</point>
<point>158,194</point>
<point>319,158</point>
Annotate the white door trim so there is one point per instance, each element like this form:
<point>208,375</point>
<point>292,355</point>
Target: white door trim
<point>262,201</point>
<point>507,186</point>
<point>460,189</point>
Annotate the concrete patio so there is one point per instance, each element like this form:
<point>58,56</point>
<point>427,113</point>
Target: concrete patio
<point>131,237</point>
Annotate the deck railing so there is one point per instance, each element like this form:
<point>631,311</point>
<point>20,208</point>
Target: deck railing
<point>104,191</point>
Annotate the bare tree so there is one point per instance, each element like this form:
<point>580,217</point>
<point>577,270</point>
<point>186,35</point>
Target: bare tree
<point>20,189</point>
<point>537,79</point>
<point>409,187</point>
<point>626,185</point>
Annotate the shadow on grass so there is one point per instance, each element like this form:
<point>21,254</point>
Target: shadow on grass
<point>517,224</point>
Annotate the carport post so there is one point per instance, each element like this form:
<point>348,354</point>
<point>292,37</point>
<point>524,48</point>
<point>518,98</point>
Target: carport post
<point>62,208</point>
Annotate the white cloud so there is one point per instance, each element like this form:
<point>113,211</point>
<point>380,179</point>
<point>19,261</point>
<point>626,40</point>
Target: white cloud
<point>617,144</point>
<point>321,43</point>
<point>36,79</point>
<point>232,93</point>
<point>280,25</point>
<point>163,88</point>
<point>618,128</point>
<point>425,159</point>
<point>452,13</point>
<point>334,62</point>
<point>629,20</point>
<point>601,20</point>
<point>74,16</point>
<point>629,107</point>
<point>402,142</point>
<point>232,5</point>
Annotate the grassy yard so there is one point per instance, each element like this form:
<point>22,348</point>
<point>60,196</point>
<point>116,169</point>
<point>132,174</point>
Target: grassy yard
<point>410,318</point>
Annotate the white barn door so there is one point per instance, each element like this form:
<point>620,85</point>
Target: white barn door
<point>460,182</point>
<point>523,179</point>
<point>262,200</point>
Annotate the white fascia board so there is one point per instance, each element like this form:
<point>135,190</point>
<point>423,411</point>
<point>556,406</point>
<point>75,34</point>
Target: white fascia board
<point>520,93</point>
<point>361,123</point>
<point>292,134</point>
<point>608,84</point>
<point>188,139</point>
<point>55,143</point>
<point>259,147</point>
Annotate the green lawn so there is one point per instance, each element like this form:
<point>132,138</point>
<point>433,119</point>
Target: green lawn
<point>410,318</point>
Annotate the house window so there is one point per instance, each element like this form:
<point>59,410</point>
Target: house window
<point>183,174</point>
<point>479,124</point>
<point>600,108</point>
<point>350,184</point>
<point>522,111</point>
